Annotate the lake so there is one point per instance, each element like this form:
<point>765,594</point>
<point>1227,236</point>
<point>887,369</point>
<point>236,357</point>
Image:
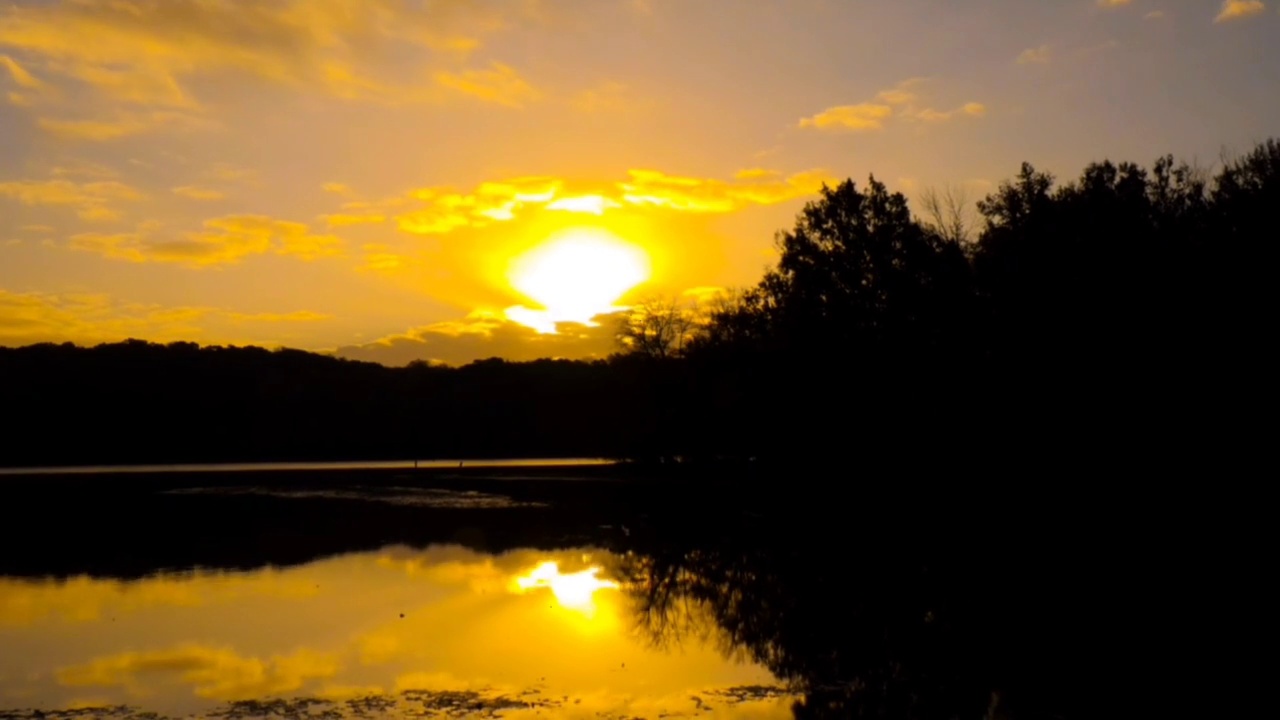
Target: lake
<point>308,466</point>
<point>509,592</point>
<point>319,597</point>
<point>393,632</point>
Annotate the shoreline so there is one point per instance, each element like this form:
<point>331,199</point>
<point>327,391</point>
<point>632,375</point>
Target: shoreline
<point>304,465</point>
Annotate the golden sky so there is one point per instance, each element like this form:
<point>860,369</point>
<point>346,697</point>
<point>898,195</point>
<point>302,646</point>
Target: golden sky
<point>549,628</point>
<point>455,179</point>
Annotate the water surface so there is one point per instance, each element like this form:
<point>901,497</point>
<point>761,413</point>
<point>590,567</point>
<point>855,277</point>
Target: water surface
<point>389,633</point>
<point>394,594</point>
<point>296,466</point>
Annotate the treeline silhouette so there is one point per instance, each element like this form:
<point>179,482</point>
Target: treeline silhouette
<point>1125,312</point>
<point>135,402</point>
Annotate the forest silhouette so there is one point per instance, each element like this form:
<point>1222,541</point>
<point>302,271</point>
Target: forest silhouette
<point>1123,313</point>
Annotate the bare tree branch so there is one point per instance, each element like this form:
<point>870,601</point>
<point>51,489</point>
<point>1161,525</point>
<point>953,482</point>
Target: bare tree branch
<point>659,327</point>
<point>949,213</point>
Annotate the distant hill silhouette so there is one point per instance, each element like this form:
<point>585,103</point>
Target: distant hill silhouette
<point>1123,314</point>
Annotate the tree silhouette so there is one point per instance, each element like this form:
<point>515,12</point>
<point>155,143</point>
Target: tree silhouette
<point>949,213</point>
<point>658,327</point>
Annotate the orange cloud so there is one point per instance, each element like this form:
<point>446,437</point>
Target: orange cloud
<point>498,84</point>
<point>863,116</point>
<point>90,200</point>
<point>607,97</point>
<point>95,318</point>
<point>483,336</point>
<point>89,318</point>
<point>1237,9</point>
<point>378,257</point>
<point>296,316</point>
<point>193,192</point>
<point>124,60</point>
<point>139,86</point>
<point>25,81</point>
<point>898,101</point>
<point>344,220</point>
<point>1037,55</point>
<point>228,173</point>
<point>129,43</point>
<point>970,109</point>
<point>441,210</point>
<point>218,673</point>
<point>223,241</point>
<point>758,187</point>
<point>84,169</point>
<point>20,76</point>
<point>122,125</point>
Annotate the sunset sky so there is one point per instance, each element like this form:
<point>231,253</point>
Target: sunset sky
<point>456,179</point>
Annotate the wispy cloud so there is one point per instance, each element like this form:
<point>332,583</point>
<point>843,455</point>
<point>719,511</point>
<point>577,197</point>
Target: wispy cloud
<point>91,318</point>
<point>128,65</point>
<point>499,84</point>
<point>194,192</point>
<point>91,201</point>
<point>268,317</point>
<point>1237,9</point>
<point>211,672</point>
<point>346,219</point>
<point>1036,55</point>
<point>709,195</point>
<point>608,96</point>
<point>222,241</point>
<point>901,101</point>
<point>437,210</point>
<point>21,77</point>
<point>122,125</point>
<point>863,116</point>
<point>143,52</point>
<point>229,173</point>
<point>972,109</point>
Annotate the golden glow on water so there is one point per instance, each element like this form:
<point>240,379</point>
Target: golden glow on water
<point>551,630</point>
<point>575,591</point>
<point>575,275</point>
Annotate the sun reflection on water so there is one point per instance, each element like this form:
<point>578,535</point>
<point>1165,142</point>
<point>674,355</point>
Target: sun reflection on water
<point>575,591</point>
<point>401,631</point>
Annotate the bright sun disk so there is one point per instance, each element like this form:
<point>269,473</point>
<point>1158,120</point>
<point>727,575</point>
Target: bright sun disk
<point>575,276</point>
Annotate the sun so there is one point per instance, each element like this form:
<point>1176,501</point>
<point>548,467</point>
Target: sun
<point>575,275</point>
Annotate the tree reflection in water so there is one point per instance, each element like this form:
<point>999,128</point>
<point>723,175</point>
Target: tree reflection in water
<point>884,623</point>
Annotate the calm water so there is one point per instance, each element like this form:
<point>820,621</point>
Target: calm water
<point>393,632</point>
<point>391,594</point>
<point>295,466</point>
